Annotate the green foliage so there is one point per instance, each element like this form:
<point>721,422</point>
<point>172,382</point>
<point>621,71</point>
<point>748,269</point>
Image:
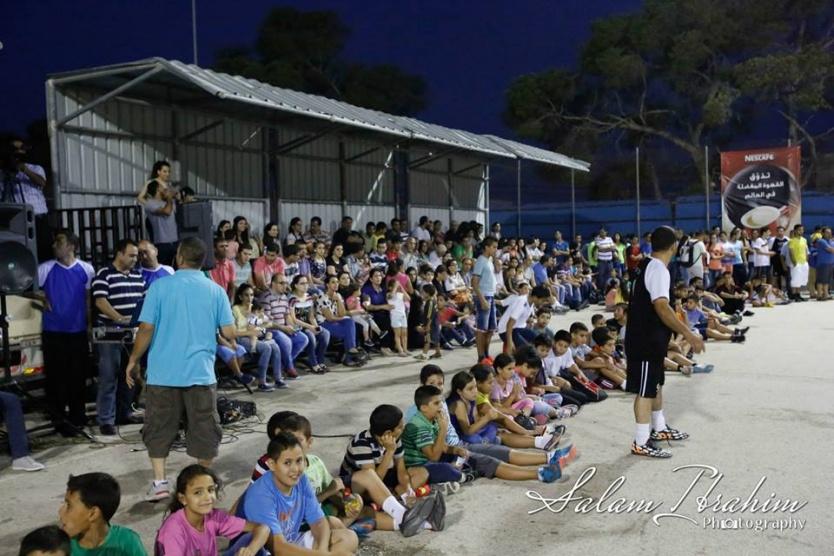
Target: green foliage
<point>302,51</point>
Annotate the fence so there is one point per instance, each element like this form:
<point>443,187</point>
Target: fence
<point>99,229</point>
<point>687,213</point>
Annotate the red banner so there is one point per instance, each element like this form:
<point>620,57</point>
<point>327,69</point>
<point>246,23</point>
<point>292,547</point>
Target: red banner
<point>761,188</point>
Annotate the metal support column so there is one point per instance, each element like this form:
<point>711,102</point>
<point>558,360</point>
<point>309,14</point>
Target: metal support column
<point>342,177</point>
<point>485,174</point>
<point>573,202</point>
<point>518,197</point>
<point>450,175</point>
<point>637,175</point>
<point>706,183</point>
<point>272,162</point>
<point>52,128</point>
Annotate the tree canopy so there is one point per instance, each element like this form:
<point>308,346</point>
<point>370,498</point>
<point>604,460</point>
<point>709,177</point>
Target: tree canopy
<point>685,73</point>
<point>303,51</point>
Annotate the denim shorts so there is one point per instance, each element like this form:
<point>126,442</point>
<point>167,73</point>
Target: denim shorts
<point>485,319</point>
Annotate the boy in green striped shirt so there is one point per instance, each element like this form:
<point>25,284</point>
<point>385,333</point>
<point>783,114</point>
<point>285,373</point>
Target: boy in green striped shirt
<point>424,439</point>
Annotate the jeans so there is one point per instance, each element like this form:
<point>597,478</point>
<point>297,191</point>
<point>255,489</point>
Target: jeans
<point>267,352</point>
<point>603,274</point>
<point>343,329</point>
<point>317,343</point>
<point>66,358</point>
<point>291,345</point>
<point>114,396</point>
<point>12,413</point>
<point>442,472</point>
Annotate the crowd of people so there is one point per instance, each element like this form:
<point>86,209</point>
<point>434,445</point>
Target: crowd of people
<point>306,300</point>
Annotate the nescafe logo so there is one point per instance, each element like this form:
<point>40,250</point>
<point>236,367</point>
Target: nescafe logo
<point>759,157</point>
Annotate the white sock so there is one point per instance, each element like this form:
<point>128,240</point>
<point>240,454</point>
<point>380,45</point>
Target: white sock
<point>396,510</point>
<point>426,525</point>
<point>623,385</point>
<point>541,441</point>
<point>641,434</point>
<point>658,420</point>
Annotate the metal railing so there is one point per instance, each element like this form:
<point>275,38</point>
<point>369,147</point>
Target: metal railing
<point>100,228</point>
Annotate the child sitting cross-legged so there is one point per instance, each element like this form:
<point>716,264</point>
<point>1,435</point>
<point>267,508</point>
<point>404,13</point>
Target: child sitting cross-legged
<point>373,467</point>
<point>549,376</point>
<point>193,523</point>
<point>513,435</point>
<point>547,405</point>
<point>486,459</point>
<point>612,374</point>
<point>89,504</point>
<point>283,499</point>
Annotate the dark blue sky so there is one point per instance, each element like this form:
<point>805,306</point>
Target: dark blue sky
<point>468,52</point>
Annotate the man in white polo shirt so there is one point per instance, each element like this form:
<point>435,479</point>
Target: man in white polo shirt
<point>512,327</point>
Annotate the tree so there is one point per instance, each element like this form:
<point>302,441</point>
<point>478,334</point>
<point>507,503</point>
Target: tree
<point>302,51</point>
<point>666,74</point>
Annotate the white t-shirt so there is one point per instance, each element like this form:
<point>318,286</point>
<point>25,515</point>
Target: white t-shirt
<point>657,279</point>
<point>398,302</point>
<point>518,309</point>
<point>700,257</point>
<point>760,245</point>
<point>604,243</point>
<point>421,234</point>
<point>554,363</point>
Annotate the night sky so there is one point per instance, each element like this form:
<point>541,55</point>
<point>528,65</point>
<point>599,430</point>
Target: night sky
<point>468,52</point>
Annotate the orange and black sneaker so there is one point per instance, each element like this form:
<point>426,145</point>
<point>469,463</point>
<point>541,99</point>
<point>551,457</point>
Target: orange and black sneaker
<point>487,360</point>
<point>649,450</point>
<point>669,434</point>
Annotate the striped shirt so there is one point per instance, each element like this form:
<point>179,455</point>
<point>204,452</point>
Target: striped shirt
<point>418,433</point>
<point>277,307</point>
<point>604,243</point>
<point>365,450</point>
<point>122,290</point>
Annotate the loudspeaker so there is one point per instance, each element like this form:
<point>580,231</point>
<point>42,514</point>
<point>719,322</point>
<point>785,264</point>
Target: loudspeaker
<point>194,220</point>
<point>17,224</point>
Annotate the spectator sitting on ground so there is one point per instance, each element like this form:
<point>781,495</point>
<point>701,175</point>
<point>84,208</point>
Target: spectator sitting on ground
<point>48,540</point>
<point>89,504</point>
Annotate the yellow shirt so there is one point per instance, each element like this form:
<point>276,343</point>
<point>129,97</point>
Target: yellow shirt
<point>798,246</point>
<point>482,398</point>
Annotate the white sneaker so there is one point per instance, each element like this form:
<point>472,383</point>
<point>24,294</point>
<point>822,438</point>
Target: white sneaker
<point>27,463</point>
<point>159,490</point>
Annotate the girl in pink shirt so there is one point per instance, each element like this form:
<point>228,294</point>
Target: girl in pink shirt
<point>193,523</point>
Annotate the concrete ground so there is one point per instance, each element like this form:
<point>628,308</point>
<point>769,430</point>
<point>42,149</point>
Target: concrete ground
<point>764,413</point>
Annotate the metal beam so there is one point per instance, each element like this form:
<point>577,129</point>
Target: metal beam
<point>303,140</point>
<point>431,157</point>
<point>102,73</point>
<point>464,170</point>
<point>203,129</point>
<point>104,98</point>
<point>363,154</point>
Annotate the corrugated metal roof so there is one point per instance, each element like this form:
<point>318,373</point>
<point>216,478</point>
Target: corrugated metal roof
<point>254,92</point>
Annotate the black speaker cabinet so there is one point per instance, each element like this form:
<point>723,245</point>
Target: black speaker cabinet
<point>194,220</point>
<point>17,225</point>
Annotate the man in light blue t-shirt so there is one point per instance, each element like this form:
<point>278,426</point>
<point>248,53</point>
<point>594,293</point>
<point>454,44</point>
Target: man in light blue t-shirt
<point>483,288</point>
<point>179,321</point>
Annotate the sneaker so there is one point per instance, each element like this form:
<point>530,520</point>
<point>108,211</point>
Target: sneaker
<point>748,313</point>
<point>703,368</point>
<point>245,379</point>
<point>447,488</point>
<point>107,430</point>
<point>553,442</point>
<point>414,518</point>
<point>363,527</point>
<point>291,374</point>
<point>669,434</point>
<point>447,346</point>
<point>742,331</point>
<point>564,456</point>
<point>550,473</point>
<point>649,450</point>
<point>738,339</point>
<point>437,516</point>
<point>159,490</point>
<point>281,385</point>
<point>27,463</point>
<point>265,388</point>
<point>556,430</point>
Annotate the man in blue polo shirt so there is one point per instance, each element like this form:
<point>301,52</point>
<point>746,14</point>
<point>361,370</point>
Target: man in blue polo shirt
<point>64,282</point>
<point>117,289</point>
<point>179,320</point>
<point>150,267</point>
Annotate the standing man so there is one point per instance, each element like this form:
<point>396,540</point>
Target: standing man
<point>179,320</point>
<point>23,182</point>
<point>825,264</point>
<point>698,256</point>
<point>117,289</point>
<point>777,263</point>
<point>798,254</point>
<point>561,248</point>
<point>64,282</point>
<point>605,258</point>
<point>650,313</point>
<point>483,289</point>
<point>149,261</point>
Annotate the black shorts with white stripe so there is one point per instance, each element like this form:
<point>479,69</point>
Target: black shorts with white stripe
<point>644,376</point>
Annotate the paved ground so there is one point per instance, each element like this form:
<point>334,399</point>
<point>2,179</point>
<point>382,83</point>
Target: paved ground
<point>765,412</point>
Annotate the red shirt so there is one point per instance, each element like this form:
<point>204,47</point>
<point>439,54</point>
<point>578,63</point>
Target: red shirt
<point>267,270</point>
<point>632,250</point>
<point>223,273</point>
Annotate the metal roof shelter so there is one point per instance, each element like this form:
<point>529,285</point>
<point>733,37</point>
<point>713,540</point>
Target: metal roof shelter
<point>263,151</point>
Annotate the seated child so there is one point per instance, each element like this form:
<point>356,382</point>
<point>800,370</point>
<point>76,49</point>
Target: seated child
<point>581,373</point>
<point>539,386</point>
<point>453,323</point>
<point>612,374</point>
<point>709,327</point>
<point>48,540</point>
<point>512,435</point>
<point>549,378</point>
<point>507,393</point>
<point>541,326</point>
<point>89,504</point>
<point>193,523</point>
<point>355,306</point>
<point>283,499</point>
<point>373,467</point>
<point>424,441</point>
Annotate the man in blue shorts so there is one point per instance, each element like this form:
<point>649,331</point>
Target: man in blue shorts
<point>483,287</point>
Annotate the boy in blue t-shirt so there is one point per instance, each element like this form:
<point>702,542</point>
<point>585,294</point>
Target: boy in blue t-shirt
<point>283,499</point>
